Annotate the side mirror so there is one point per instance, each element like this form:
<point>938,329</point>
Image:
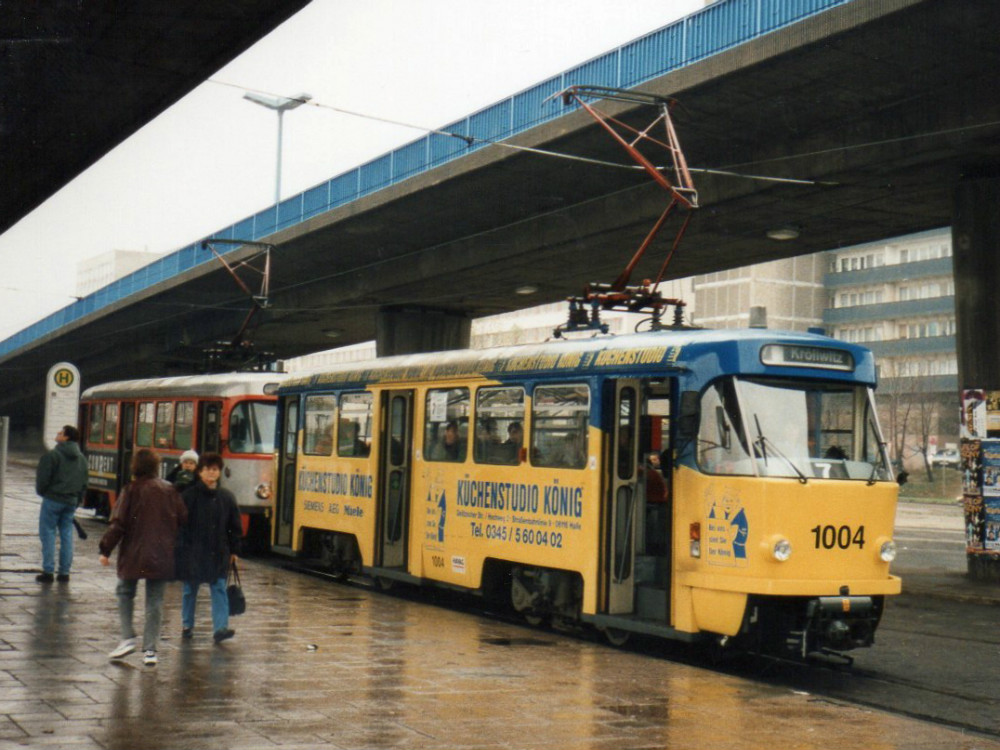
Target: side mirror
<point>903,477</point>
<point>687,421</point>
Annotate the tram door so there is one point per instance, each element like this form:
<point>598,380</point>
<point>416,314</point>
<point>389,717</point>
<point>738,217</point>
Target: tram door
<point>126,444</point>
<point>624,498</point>
<point>284,509</point>
<point>209,427</point>
<point>394,475</point>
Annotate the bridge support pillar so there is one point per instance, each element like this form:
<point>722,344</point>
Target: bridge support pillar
<point>407,329</point>
<point>976,264</point>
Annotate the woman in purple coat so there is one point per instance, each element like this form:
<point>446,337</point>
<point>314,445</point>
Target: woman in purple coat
<point>145,524</point>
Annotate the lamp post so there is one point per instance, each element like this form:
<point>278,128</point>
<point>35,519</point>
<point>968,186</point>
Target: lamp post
<point>279,104</point>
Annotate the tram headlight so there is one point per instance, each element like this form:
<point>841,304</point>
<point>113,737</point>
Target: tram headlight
<point>781,550</point>
<point>887,551</point>
<point>263,491</point>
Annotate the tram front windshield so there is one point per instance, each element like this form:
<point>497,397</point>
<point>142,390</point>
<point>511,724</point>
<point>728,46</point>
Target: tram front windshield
<point>778,428</point>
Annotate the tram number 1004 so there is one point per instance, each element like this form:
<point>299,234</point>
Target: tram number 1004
<point>843,537</point>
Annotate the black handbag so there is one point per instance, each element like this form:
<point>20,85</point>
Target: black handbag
<point>234,591</point>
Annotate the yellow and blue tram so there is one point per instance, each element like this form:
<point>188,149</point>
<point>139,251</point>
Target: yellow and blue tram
<point>693,484</point>
<point>228,413</point>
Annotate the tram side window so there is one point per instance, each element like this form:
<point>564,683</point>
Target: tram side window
<point>163,431</point>
<point>499,425</point>
<point>183,425</point>
<point>354,436</point>
<point>110,423</point>
<point>321,415</point>
<point>447,424</point>
<point>721,448</point>
<point>144,428</point>
<point>251,427</point>
<point>95,430</point>
<point>559,418</point>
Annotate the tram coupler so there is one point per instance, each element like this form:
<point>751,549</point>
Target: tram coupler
<point>840,623</point>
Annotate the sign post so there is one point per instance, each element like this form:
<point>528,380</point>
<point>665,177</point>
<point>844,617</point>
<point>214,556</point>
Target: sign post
<point>62,400</point>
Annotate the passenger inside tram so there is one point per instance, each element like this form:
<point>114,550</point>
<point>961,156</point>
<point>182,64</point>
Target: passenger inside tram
<point>449,447</point>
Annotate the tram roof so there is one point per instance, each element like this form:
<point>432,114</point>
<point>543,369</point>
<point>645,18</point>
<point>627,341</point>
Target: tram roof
<point>217,384</point>
<point>710,352</point>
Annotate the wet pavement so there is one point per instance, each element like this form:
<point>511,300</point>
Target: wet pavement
<point>316,664</point>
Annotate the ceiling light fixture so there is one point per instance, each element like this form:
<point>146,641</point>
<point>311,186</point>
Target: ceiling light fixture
<point>783,233</point>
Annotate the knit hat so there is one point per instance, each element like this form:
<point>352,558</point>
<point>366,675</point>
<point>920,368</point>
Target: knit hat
<point>189,456</point>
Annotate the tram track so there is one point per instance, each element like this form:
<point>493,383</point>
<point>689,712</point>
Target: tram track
<point>928,693</point>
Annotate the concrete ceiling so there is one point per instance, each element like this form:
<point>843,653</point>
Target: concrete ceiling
<point>888,102</point>
<point>78,78</point>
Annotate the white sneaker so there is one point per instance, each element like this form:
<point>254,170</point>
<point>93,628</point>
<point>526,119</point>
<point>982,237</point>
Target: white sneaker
<point>124,648</point>
<point>149,658</point>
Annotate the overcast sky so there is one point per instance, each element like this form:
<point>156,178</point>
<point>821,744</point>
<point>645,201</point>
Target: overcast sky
<point>210,160</point>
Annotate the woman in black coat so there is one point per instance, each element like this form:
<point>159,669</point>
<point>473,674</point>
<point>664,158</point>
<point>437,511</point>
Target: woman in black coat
<point>208,545</point>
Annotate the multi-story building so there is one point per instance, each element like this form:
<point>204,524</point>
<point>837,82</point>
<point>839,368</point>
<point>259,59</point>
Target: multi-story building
<point>897,297</point>
<point>790,291</point>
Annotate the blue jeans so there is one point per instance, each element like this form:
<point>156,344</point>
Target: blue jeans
<point>56,516</point>
<point>220,604</point>
<point>154,611</point>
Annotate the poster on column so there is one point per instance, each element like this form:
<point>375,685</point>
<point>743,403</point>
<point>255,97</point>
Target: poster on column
<point>990,462</point>
<point>993,414</point>
<point>973,414</point>
<point>974,523</point>
<point>971,468</point>
<point>991,518</point>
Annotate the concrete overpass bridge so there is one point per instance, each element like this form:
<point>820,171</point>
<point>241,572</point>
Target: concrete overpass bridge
<point>889,104</point>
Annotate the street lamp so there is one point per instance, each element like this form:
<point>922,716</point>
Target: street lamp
<point>279,104</point>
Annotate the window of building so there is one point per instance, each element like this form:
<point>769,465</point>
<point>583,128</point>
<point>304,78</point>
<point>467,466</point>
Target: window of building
<point>354,439</point>
<point>446,424</point>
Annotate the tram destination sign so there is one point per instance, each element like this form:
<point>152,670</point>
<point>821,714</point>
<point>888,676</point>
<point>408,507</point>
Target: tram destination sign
<point>793,355</point>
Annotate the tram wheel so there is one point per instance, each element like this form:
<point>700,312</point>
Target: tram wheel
<point>534,621</point>
<point>616,637</point>
<point>385,584</point>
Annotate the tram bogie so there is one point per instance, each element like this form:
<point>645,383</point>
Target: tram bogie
<point>728,485</point>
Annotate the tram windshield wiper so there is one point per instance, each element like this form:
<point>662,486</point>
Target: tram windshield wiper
<point>879,462</point>
<point>762,442</point>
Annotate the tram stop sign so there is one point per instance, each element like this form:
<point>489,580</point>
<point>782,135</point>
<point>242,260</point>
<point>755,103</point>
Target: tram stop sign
<point>62,400</point>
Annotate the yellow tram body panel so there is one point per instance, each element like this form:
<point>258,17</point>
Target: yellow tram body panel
<point>835,530</point>
<point>336,494</point>
<point>466,513</point>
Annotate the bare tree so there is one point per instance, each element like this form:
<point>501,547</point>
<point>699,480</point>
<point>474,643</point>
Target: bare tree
<point>911,410</point>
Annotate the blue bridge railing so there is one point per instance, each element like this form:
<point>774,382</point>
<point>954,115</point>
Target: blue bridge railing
<point>711,30</point>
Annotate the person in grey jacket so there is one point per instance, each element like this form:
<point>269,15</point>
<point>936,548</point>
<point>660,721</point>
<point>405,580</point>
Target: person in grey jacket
<point>60,480</point>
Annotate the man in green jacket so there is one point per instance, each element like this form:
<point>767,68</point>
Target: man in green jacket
<point>60,481</point>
